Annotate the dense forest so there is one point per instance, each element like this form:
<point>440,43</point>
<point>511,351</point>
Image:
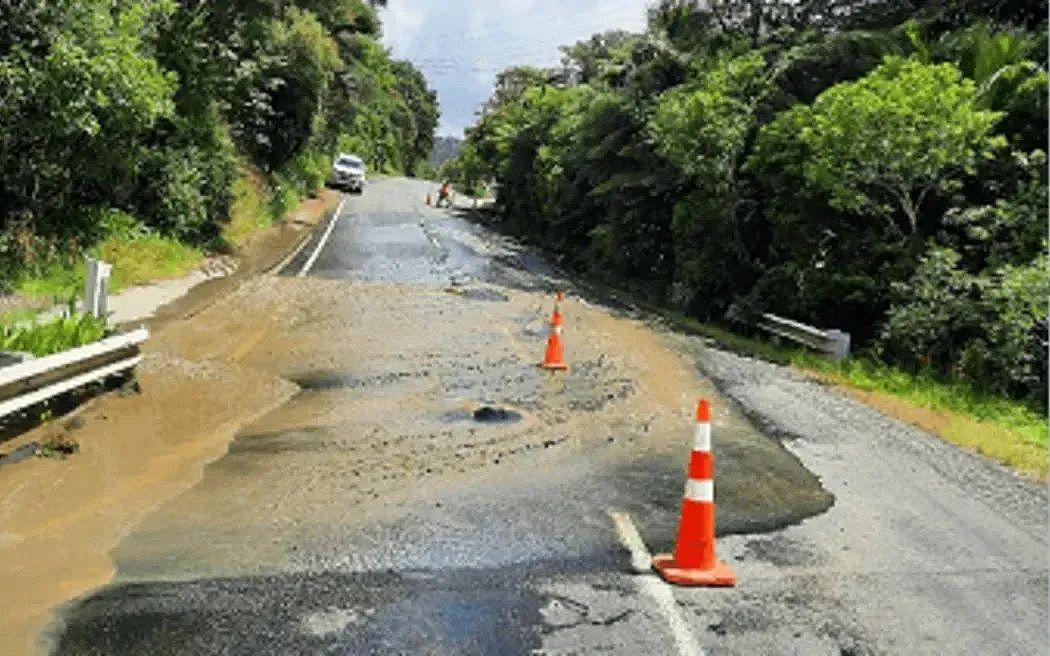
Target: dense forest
<point>151,116</point>
<point>873,166</point>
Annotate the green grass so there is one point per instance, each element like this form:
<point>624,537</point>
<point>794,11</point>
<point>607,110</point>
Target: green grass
<point>52,336</point>
<point>257,204</point>
<point>135,260</point>
<point>732,341</point>
<point>1006,430</point>
<point>146,259</point>
<point>249,211</point>
<point>930,393</point>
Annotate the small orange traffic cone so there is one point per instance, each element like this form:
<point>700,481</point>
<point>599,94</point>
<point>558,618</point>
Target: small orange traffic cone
<point>555,356</point>
<point>428,199</point>
<point>694,561</point>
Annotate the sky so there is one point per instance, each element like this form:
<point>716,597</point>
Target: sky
<point>461,44</point>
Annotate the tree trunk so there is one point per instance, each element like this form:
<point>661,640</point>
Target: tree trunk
<point>911,210</point>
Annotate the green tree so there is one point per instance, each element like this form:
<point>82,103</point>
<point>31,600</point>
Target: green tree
<point>73,111</point>
<point>989,329</point>
<point>702,128</point>
<point>881,145</point>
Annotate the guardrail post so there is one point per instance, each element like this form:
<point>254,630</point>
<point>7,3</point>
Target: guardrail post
<point>96,288</point>
<point>840,341</point>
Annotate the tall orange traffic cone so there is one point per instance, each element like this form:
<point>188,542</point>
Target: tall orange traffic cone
<point>694,561</point>
<point>555,356</point>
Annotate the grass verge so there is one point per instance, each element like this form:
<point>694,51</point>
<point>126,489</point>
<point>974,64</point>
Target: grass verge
<point>249,211</point>
<point>259,203</point>
<point>52,336</point>
<point>136,260</point>
<point>1008,431</point>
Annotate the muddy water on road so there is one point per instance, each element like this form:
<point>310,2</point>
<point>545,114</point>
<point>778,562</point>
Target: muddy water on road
<point>414,321</point>
<point>384,413</point>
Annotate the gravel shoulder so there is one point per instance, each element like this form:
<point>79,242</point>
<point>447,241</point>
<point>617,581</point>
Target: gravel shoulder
<point>928,549</point>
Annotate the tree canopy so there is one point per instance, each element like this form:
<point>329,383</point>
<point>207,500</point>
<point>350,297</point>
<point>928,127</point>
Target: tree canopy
<point>156,108</point>
<point>877,167</point>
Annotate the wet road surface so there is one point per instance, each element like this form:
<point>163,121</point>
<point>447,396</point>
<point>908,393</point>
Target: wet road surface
<point>373,515</point>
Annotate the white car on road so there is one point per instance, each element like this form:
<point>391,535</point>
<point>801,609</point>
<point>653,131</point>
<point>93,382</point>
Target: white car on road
<point>348,173</point>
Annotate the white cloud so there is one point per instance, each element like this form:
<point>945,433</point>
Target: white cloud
<point>401,23</point>
<point>460,45</point>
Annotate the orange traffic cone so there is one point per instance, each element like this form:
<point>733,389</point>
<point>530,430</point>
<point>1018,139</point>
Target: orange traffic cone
<point>555,356</point>
<point>428,198</point>
<point>694,561</point>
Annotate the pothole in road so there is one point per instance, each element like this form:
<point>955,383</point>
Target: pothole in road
<point>485,414</point>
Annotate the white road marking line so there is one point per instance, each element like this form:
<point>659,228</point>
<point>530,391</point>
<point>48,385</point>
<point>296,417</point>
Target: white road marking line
<point>291,256</point>
<point>641,561</point>
<point>660,592</point>
<point>324,239</point>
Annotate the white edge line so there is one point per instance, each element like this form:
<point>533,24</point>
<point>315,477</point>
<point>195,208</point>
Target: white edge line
<point>641,561</point>
<point>291,256</point>
<point>324,239</point>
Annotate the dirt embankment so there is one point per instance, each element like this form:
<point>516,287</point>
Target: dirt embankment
<point>59,519</point>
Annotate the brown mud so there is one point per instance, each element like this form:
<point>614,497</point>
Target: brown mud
<point>319,403</point>
<point>60,518</point>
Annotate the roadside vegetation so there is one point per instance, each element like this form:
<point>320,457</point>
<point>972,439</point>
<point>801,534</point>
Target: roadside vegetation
<point>1010,431</point>
<point>53,335</point>
<point>149,133</point>
<point>877,167</point>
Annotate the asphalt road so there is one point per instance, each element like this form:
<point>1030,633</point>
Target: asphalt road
<point>372,515</point>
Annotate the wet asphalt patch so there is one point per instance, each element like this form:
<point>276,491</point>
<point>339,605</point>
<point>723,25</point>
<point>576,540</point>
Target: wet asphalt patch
<point>309,438</point>
<point>751,495</point>
<point>482,294</point>
<point>324,381</point>
<point>485,611</point>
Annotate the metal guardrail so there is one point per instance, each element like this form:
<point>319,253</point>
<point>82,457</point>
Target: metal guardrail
<point>28,383</point>
<point>833,343</point>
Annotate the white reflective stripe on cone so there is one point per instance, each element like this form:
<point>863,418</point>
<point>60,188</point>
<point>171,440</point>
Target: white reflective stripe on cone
<point>702,437</point>
<point>700,490</point>
<point>557,329</point>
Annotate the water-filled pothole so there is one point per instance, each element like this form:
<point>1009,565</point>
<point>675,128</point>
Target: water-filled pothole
<point>485,414</point>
